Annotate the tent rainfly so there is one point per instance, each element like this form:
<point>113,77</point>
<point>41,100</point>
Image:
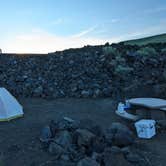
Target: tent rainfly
<point>9,106</point>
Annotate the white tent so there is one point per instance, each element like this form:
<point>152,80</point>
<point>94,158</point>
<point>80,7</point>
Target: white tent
<point>9,106</point>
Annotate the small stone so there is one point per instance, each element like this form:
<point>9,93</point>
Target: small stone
<point>97,93</point>
<point>97,157</point>
<point>84,137</point>
<point>162,123</point>
<point>67,124</point>
<point>65,157</point>
<point>86,93</point>
<point>55,150</point>
<point>87,162</point>
<point>77,154</point>
<point>107,92</point>
<point>74,89</point>
<point>125,150</point>
<point>53,127</point>
<point>45,134</point>
<point>25,77</point>
<point>71,62</point>
<point>63,138</point>
<point>115,150</point>
<point>68,119</point>
<point>38,91</point>
<point>133,158</point>
<point>98,144</point>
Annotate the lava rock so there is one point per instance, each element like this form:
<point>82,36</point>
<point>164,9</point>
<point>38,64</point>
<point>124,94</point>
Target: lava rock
<point>91,126</point>
<point>63,138</point>
<point>86,93</point>
<point>98,144</point>
<point>87,162</point>
<point>98,157</point>
<point>84,137</point>
<point>119,135</point>
<point>38,91</point>
<point>115,150</point>
<point>55,150</point>
<point>111,159</point>
<point>133,158</point>
<point>76,154</point>
<point>46,134</point>
<point>67,124</point>
<point>53,128</point>
<point>161,125</point>
<point>125,150</point>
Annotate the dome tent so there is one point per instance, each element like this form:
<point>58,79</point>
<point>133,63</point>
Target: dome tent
<point>9,106</point>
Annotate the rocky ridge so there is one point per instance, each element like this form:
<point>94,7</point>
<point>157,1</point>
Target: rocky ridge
<point>115,70</point>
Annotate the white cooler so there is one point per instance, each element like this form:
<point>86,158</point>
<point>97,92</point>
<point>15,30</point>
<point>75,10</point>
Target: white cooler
<point>145,128</point>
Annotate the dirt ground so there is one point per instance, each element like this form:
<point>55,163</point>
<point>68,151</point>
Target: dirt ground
<point>19,143</point>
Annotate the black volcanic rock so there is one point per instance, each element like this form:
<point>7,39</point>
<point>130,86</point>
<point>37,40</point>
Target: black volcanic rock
<point>87,72</point>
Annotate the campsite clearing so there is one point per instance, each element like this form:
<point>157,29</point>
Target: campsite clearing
<point>19,143</point>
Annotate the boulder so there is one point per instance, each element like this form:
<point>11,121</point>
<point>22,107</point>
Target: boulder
<point>98,144</point>
<point>120,135</point>
<point>63,138</point>
<point>84,137</point>
<point>67,124</point>
<point>91,126</point>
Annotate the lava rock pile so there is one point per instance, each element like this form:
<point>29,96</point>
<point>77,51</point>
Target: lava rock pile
<point>88,72</point>
<point>83,143</point>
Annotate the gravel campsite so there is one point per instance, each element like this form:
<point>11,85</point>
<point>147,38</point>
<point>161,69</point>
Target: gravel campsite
<point>83,83</point>
<point>69,99</point>
<point>20,144</point>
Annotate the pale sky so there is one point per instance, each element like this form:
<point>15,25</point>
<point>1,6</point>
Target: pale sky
<point>42,26</point>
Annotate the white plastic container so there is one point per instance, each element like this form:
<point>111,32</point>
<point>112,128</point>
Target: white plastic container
<point>145,128</point>
<point>121,108</point>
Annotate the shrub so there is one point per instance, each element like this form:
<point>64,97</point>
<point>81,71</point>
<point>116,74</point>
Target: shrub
<point>163,51</point>
<point>108,50</point>
<point>120,60</point>
<point>146,51</point>
<point>123,70</point>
